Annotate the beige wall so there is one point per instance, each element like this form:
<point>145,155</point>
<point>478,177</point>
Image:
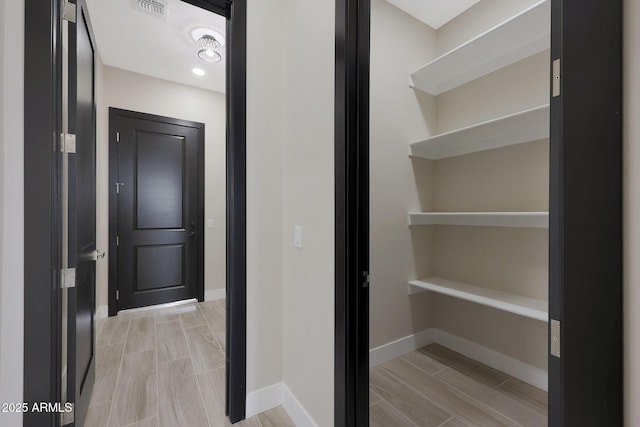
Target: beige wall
<point>308,320</point>
<point>131,91</point>
<point>399,114</point>
<point>11,205</point>
<point>265,83</point>
<point>631,110</point>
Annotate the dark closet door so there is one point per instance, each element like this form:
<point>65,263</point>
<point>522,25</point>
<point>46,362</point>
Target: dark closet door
<point>82,253</point>
<point>159,221</point>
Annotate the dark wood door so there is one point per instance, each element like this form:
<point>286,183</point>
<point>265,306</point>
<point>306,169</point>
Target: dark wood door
<point>159,193</point>
<point>81,245</point>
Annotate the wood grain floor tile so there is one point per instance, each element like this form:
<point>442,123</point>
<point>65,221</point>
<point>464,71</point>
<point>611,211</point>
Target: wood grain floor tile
<point>463,364</point>
<point>108,360</point>
<point>142,334</point>
<point>373,396</point>
<point>212,386</point>
<point>168,314</point>
<point>412,405</point>
<point>205,352</point>
<point>214,315</point>
<point>191,316</point>
<point>455,422</point>
<point>382,414</point>
<point>180,401</point>
<point>114,330</point>
<point>500,401</point>
<point>135,398</point>
<point>149,422</point>
<point>171,342</point>
<point>222,303</point>
<point>452,400</point>
<point>424,362</point>
<point>527,393</point>
<point>98,415</point>
<point>276,417</point>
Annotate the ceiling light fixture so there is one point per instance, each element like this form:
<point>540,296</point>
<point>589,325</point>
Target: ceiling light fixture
<point>208,49</point>
<point>198,71</point>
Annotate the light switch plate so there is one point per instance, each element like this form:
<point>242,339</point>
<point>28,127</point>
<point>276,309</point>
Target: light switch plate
<point>210,223</point>
<point>297,236</point>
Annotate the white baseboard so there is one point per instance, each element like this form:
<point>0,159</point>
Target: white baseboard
<point>264,399</point>
<point>507,364</point>
<point>296,411</point>
<point>102,312</point>
<point>276,395</point>
<point>400,347</point>
<point>215,294</point>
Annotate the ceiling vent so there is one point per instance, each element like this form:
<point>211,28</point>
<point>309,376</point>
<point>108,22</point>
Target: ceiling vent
<point>153,7</point>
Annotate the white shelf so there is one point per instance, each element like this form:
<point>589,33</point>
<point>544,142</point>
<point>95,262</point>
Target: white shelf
<point>524,126</point>
<point>487,219</point>
<point>523,306</point>
<point>516,38</point>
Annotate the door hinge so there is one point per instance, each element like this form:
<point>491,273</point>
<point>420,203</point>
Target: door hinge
<point>68,278</point>
<point>69,11</point>
<point>68,143</point>
<point>365,279</point>
<point>68,414</point>
<point>118,185</point>
<point>556,79</point>
<point>555,338</point>
<point>117,240</point>
<point>117,295</point>
<point>117,136</point>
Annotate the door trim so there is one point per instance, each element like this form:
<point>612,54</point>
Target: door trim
<point>42,92</point>
<point>114,113</point>
<point>586,225</point>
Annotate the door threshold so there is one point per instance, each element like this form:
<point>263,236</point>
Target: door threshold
<point>153,307</point>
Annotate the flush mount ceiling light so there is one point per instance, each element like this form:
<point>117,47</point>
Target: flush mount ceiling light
<point>209,42</point>
<point>198,71</point>
<point>208,49</point>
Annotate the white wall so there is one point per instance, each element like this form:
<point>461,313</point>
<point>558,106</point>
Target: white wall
<point>309,57</point>
<point>12,206</point>
<point>399,184</point>
<point>631,110</point>
<point>131,91</point>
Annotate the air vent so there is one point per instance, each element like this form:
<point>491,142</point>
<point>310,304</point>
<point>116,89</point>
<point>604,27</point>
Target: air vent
<point>153,7</point>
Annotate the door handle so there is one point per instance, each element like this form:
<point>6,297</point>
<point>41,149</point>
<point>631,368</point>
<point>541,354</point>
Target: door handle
<point>193,233</point>
<point>97,255</point>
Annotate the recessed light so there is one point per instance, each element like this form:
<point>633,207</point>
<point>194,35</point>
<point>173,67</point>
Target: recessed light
<point>198,71</point>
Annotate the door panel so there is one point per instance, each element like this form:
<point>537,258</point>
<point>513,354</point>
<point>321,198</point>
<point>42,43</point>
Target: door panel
<point>159,211</point>
<point>82,217</point>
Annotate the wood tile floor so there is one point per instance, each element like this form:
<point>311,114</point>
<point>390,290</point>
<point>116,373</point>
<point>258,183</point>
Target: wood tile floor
<point>435,386</point>
<point>165,367</point>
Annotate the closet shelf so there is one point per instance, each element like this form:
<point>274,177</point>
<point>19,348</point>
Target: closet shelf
<point>519,37</point>
<point>524,126</point>
<point>523,306</point>
<point>487,219</point>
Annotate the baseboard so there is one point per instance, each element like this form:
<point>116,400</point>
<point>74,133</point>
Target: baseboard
<point>264,399</point>
<point>514,367</point>
<point>296,411</point>
<point>102,312</point>
<point>215,294</point>
<point>400,347</point>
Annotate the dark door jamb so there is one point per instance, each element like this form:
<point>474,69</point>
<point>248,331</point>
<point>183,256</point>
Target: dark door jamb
<point>42,92</point>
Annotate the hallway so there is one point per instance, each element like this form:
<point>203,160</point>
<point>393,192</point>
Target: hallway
<point>165,367</point>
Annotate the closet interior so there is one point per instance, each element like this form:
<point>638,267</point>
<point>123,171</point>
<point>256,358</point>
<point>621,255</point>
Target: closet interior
<point>459,227</point>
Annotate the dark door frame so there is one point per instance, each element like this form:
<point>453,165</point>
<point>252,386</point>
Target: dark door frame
<point>42,243</point>
<point>114,113</point>
<point>585,265</point>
